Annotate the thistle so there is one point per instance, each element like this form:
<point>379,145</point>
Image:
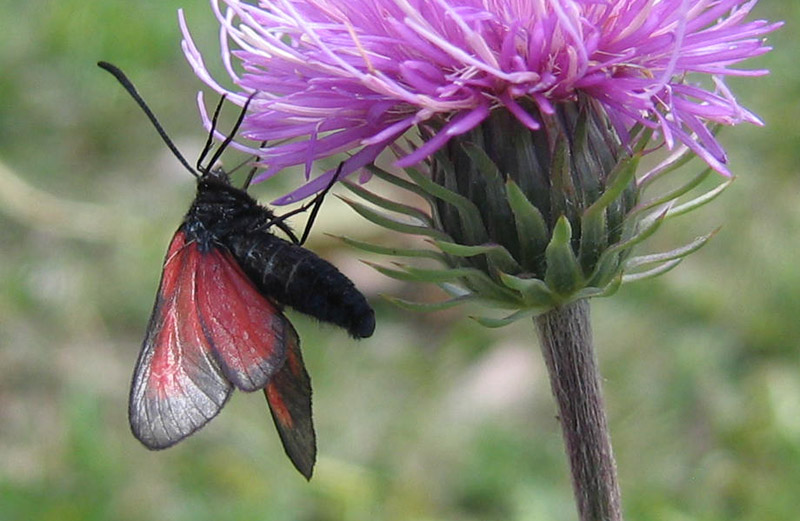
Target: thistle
<point>530,121</point>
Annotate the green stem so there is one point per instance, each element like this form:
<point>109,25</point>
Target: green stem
<point>566,338</point>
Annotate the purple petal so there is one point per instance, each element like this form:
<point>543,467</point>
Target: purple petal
<point>338,76</point>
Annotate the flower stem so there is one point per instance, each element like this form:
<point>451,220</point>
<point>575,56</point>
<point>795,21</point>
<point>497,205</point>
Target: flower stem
<point>566,338</point>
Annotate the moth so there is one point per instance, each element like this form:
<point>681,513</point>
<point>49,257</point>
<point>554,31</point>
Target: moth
<point>218,321</point>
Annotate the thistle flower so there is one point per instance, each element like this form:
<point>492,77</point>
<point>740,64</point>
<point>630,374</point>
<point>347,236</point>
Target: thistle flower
<point>531,117</point>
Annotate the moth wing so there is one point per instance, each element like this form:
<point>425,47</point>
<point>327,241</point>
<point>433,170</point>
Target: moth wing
<point>178,385</point>
<point>247,331</point>
<point>289,397</point>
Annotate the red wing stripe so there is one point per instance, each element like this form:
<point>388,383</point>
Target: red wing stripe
<point>177,385</point>
<point>245,330</point>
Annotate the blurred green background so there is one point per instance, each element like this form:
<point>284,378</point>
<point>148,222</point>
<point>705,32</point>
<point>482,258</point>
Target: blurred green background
<point>433,418</point>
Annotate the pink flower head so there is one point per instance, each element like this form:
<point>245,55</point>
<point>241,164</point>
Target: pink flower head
<point>337,76</point>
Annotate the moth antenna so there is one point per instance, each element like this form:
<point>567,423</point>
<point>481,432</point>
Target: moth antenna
<point>126,83</point>
<point>210,139</point>
<point>232,134</point>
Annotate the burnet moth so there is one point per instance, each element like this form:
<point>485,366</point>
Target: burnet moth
<point>217,323</point>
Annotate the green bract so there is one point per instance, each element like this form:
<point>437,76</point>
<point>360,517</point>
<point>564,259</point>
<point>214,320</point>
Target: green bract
<point>528,220</point>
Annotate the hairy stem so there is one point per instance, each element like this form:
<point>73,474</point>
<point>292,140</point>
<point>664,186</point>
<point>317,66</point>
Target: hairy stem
<point>566,339</point>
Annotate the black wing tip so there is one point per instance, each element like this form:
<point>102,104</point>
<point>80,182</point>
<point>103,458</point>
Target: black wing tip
<point>302,456</point>
<point>299,444</point>
<point>305,464</point>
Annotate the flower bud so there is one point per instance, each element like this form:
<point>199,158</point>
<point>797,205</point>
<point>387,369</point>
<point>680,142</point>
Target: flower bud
<point>532,219</point>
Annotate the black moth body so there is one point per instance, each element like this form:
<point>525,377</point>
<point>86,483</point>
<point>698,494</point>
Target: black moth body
<point>223,215</point>
<point>218,324</point>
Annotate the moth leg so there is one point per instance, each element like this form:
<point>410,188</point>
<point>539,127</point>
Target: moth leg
<point>252,171</point>
<point>314,204</point>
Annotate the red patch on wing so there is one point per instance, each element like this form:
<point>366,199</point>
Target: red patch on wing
<point>246,330</point>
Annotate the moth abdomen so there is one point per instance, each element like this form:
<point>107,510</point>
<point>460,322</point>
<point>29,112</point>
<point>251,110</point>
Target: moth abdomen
<point>298,278</point>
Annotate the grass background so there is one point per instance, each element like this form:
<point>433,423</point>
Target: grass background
<point>433,418</point>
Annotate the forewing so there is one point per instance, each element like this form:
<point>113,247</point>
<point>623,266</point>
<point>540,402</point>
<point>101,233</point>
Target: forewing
<point>177,384</point>
<point>247,331</point>
<point>289,397</point>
